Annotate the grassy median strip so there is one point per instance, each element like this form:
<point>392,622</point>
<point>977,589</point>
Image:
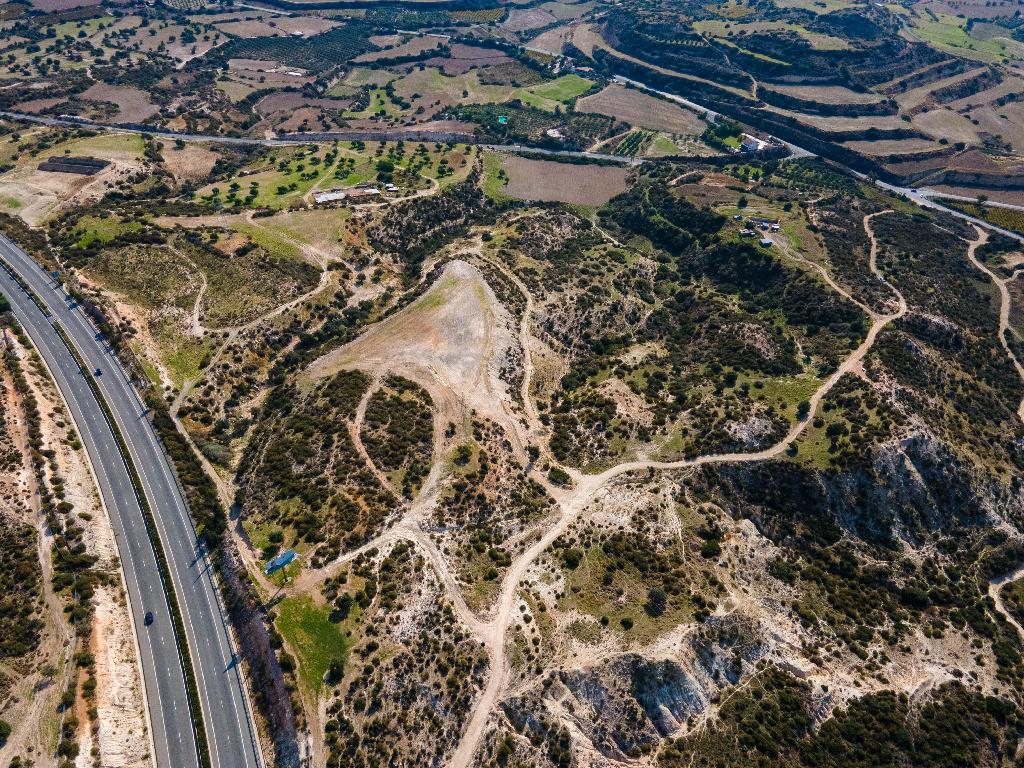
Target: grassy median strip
<point>191,684</point>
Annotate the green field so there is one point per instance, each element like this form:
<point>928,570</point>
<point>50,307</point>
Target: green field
<point>315,640</point>
<point>553,93</point>
<point>96,229</point>
<point>950,34</point>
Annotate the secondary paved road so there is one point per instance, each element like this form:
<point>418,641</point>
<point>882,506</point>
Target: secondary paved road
<point>295,138</point>
<point>226,713</point>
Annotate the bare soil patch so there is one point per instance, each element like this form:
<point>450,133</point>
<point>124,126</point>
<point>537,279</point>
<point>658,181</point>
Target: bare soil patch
<point>287,102</point>
<point>452,341</point>
<point>642,110</point>
<point>122,736</point>
<point>525,19</point>
<point>192,163</point>
<point>466,57</point>
<point>133,105</point>
<point>552,41</point>
<point>51,6</point>
<point>546,180</point>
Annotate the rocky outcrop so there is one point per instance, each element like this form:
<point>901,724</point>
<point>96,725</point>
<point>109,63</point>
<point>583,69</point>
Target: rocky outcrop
<point>627,705</point>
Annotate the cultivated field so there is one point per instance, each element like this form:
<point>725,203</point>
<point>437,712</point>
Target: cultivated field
<point>639,109</point>
<point>588,185</point>
<point>133,105</point>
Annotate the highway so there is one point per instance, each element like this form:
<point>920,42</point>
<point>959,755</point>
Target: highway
<point>229,727</point>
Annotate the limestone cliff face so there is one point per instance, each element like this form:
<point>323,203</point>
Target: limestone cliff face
<point>625,706</point>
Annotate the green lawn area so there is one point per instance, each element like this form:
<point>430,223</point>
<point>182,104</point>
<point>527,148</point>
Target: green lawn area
<point>494,185</point>
<point>182,354</point>
<point>286,179</point>
<point>550,94</point>
<point>315,640</point>
<point>234,90</point>
<point>109,146</point>
<point>93,228</point>
<point>379,102</point>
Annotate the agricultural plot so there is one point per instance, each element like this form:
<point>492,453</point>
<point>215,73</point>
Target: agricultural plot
<point>950,34</point>
<point>565,11</point>
<point>891,146</point>
<point>432,90</point>
<point>830,94</point>
<point>633,144</point>
<point>525,19</point>
<point>554,93</point>
<point>404,46</point>
<point>133,105</point>
<point>545,180</point>
<point>641,110</point>
<point>277,26</point>
<point>735,31</point>
<point>947,124</point>
<point>315,54</point>
<point>1007,218</point>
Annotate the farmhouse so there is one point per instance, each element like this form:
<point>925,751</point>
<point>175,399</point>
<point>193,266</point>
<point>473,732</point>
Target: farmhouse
<point>333,195</point>
<point>752,143</point>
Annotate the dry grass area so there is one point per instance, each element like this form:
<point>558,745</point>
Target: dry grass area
<point>452,341</point>
<point>891,146</point>
<point>463,58</point>
<point>1006,121</point>
<point>525,19</point>
<point>53,6</point>
<point>881,122</point>
<point>290,101</point>
<point>1011,85</point>
<point>947,124</point>
<point>974,9</point>
<point>831,94</point>
<point>277,26</point>
<point>546,180</point>
<point>403,47</point>
<point>553,40</point>
<point>915,97</point>
<point>641,110</point>
<point>191,163</point>
<point>133,105</point>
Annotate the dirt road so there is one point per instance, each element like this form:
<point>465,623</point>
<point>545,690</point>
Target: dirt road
<point>1004,305</point>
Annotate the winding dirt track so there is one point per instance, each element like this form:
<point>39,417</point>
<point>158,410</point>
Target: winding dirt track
<point>995,591</point>
<point>1004,305</point>
<point>587,488</point>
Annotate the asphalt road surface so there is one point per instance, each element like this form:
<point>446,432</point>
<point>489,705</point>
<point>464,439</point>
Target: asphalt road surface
<point>228,721</point>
